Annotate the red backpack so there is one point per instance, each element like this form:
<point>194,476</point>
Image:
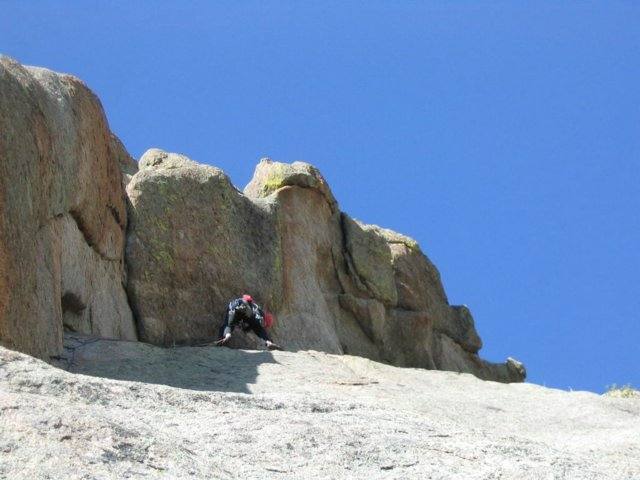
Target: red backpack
<point>268,320</point>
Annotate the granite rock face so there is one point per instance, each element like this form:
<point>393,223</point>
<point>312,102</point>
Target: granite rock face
<point>194,242</point>
<point>62,213</point>
<point>73,201</point>
<point>335,284</point>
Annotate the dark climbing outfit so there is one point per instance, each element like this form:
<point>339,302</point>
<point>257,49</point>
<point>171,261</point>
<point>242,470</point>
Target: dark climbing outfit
<point>246,315</point>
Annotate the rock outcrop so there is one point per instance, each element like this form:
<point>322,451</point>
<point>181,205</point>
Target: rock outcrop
<point>71,197</point>
<point>194,242</point>
<point>62,213</point>
<point>335,284</point>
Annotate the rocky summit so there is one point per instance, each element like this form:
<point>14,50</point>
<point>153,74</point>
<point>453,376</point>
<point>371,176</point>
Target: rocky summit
<point>115,274</point>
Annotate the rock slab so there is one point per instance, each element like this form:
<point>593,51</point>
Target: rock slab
<point>132,410</point>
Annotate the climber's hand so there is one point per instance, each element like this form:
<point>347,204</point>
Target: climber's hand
<point>224,340</point>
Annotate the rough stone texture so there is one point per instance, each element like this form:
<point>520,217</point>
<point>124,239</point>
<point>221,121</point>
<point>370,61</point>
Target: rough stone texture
<point>62,213</point>
<point>220,413</point>
<point>336,284</point>
<point>417,279</point>
<point>271,176</point>
<point>308,236</point>
<point>128,166</point>
<point>343,278</point>
<point>194,243</point>
<point>371,258</point>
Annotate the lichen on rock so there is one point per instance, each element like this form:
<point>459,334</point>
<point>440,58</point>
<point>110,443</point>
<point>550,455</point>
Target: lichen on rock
<point>271,176</point>
<point>194,243</point>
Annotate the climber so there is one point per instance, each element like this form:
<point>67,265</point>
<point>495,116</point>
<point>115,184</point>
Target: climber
<point>245,313</point>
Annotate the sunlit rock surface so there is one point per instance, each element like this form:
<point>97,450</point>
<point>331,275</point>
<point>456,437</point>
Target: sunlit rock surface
<point>132,410</point>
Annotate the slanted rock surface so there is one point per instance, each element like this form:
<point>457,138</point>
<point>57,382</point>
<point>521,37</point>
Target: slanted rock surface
<point>132,410</point>
<point>62,213</point>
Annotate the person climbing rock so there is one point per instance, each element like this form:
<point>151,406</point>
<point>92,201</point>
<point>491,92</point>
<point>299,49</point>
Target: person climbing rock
<point>245,313</point>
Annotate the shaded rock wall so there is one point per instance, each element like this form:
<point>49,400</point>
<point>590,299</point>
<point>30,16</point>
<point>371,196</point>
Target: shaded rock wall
<point>62,213</point>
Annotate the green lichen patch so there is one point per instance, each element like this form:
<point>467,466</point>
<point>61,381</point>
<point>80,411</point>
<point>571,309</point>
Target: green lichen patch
<point>626,391</point>
<point>276,179</point>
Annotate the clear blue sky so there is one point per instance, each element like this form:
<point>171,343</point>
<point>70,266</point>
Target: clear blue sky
<point>503,136</point>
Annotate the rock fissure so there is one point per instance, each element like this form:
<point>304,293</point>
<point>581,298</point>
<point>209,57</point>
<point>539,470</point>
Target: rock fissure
<point>116,215</point>
<point>351,268</point>
<point>88,238</point>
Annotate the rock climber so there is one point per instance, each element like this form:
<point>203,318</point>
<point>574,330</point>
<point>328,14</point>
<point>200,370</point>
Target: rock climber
<point>245,313</point>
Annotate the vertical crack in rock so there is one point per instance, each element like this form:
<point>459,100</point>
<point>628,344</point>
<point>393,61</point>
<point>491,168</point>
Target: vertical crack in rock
<point>116,215</point>
<point>88,238</point>
<point>351,269</point>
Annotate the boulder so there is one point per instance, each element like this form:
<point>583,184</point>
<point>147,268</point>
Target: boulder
<point>62,213</point>
<point>194,243</point>
<point>270,176</point>
<point>417,280</point>
<point>308,232</point>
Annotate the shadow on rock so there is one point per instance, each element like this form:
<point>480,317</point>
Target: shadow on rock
<point>195,368</point>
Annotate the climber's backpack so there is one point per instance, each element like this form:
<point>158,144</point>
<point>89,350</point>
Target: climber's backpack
<point>267,320</point>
